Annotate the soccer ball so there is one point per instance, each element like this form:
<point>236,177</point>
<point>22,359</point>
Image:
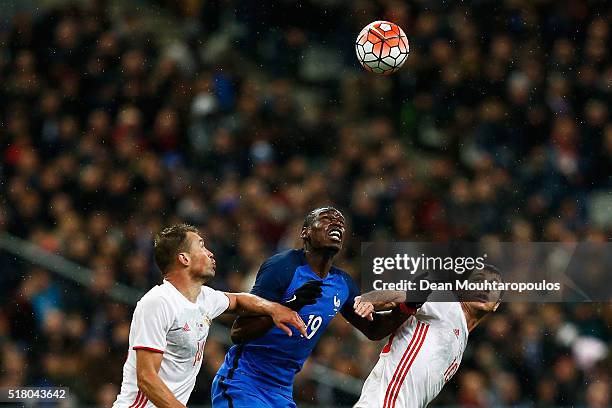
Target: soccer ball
<point>382,47</point>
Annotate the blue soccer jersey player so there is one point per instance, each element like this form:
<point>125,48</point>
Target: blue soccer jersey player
<point>259,370</point>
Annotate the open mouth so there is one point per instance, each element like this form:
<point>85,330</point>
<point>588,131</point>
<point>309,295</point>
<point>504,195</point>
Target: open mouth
<point>335,234</point>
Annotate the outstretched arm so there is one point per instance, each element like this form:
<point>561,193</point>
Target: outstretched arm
<point>247,328</point>
<point>384,299</point>
<point>381,325</point>
<point>358,311</point>
<point>408,301</point>
<point>277,314</point>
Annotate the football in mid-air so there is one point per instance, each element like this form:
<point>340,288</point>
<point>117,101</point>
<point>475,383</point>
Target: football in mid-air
<point>382,47</point>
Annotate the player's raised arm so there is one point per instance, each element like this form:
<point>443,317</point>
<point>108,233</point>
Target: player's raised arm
<point>280,315</point>
<point>383,299</point>
<point>251,327</point>
<point>409,301</point>
<point>377,326</point>
<point>273,279</point>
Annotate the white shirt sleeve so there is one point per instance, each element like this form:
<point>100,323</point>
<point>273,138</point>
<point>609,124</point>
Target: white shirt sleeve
<point>151,323</point>
<point>217,302</point>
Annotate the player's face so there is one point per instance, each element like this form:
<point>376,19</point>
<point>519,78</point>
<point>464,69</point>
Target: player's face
<point>483,300</point>
<point>203,262</point>
<point>327,231</point>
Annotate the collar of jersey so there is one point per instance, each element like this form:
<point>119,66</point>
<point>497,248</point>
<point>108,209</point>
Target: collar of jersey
<point>317,277</point>
<point>303,262</point>
<point>178,292</point>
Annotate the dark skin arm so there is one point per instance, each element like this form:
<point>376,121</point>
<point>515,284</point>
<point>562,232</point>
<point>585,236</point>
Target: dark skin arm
<point>247,303</point>
<point>247,328</point>
<point>381,326</point>
<point>251,327</point>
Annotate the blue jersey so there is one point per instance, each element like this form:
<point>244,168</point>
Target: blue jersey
<point>273,360</point>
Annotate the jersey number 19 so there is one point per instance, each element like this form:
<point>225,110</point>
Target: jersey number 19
<point>313,324</point>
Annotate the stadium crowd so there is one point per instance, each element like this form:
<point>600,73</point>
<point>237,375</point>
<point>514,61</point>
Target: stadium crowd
<point>498,127</point>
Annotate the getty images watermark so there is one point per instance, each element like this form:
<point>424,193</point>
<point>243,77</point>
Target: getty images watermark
<point>458,265</point>
<point>527,272</point>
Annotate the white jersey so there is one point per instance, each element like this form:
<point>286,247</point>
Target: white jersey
<point>166,322</point>
<point>419,358</point>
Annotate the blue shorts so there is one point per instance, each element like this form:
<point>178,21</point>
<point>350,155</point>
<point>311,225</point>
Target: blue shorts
<point>237,393</point>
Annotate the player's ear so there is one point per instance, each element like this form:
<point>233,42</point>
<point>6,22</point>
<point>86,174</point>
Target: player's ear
<point>183,258</point>
<point>305,232</point>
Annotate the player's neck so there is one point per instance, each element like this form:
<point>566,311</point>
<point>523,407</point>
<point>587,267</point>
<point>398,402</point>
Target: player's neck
<point>320,261</point>
<point>471,317</point>
<point>184,284</point>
